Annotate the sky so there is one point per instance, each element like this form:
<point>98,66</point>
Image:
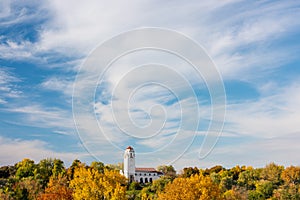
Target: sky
<point>150,99</point>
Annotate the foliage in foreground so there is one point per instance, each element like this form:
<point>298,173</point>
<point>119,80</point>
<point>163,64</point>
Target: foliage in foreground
<point>49,179</point>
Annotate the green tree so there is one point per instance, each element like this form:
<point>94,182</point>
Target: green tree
<point>214,169</point>
<point>248,178</point>
<point>117,167</point>
<point>265,188</point>
<point>25,168</point>
<point>160,184</point>
<point>226,183</point>
<point>167,170</point>
<point>7,171</point>
<point>58,167</point>
<point>43,171</point>
<point>189,171</point>
<point>98,166</point>
<point>255,195</point>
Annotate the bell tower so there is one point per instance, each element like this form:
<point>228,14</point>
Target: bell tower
<point>129,163</point>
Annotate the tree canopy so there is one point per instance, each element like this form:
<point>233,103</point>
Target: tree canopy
<point>50,179</point>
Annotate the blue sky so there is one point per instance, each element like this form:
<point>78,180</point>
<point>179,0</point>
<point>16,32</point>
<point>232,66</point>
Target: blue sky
<point>255,47</point>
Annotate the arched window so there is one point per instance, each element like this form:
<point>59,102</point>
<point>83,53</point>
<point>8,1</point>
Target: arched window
<point>141,180</point>
<point>150,179</point>
<point>146,180</point>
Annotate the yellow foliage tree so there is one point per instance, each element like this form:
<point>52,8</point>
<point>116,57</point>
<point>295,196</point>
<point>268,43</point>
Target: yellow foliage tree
<point>90,184</point>
<point>197,187</point>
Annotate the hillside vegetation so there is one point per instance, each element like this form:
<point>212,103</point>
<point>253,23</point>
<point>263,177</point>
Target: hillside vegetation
<point>50,179</point>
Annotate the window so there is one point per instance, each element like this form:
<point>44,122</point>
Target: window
<point>150,180</point>
<point>141,180</point>
<point>146,180</point>
<point>135,174</point>
<point>149,174</point>
<point>145,174</point>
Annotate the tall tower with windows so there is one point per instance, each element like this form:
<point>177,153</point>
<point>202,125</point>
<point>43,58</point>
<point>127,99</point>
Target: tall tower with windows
<point>129,163</point>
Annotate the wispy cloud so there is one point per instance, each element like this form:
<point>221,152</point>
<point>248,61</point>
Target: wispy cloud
<point>60,84</point>
<point>274,114</point>
<point>37,115</point>
<point>8,85</point>
<point>247,41</point>
<point>33,149</point>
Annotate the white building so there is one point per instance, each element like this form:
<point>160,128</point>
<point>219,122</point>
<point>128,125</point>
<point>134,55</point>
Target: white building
<point>141,175</point>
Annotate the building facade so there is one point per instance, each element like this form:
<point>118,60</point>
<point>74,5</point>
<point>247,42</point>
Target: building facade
<point>141,175</point>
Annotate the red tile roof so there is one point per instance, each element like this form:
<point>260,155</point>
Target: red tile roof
<point>142,169</point>
<point>129,147</point>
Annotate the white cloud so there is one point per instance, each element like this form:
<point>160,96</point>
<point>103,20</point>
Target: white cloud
<point>273,115</point>
<point>19,51</point>
<point>61,84</point>
<point>8,85</point>
<point>38,116</point>
<point>75,28</point>
<point>14,150</point>
<point>235,40</point>
<point>259,152</point>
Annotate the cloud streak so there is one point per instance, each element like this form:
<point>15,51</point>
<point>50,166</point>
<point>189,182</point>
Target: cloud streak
<point>251,42</point>
<point>14,150</point>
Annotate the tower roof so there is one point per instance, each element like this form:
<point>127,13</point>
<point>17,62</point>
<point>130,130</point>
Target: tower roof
<point>129,147</point>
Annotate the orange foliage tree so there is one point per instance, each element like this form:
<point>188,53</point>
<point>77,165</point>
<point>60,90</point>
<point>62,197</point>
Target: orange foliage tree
<point>57,188</point>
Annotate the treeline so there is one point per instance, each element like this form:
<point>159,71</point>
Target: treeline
<point>50,179</point>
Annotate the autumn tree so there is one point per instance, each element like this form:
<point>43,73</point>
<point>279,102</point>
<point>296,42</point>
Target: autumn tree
<point>196,187</point>
<point>57,188</point>
<point>236,193</point>
<point>27,188</point>
<point>272,172</point>
<point>75,164</point>
<point>291,187</point>
<point>89,183</point>
<point>291,175</point>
